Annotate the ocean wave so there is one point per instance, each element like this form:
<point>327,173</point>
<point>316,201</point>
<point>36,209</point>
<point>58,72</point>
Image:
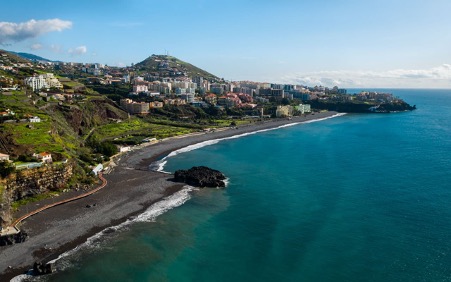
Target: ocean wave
<point>159,165</point>
<point>150,215</point>
<point>320,119</point>
<point>159,208</point>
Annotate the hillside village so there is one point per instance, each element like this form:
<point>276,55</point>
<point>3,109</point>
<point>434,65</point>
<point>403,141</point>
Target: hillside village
<point>79,115</point>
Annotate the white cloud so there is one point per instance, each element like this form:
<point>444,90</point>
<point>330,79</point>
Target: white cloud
<point>36,46</point>
<point>14,32</point>
<point>78,51</point>
<point>437,77</point>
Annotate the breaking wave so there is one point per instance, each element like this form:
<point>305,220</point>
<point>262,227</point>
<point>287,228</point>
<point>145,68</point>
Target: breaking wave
<point>159,165</point>
<point>150,215</point>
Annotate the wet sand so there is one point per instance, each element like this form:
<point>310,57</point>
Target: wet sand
<point>131,189</point>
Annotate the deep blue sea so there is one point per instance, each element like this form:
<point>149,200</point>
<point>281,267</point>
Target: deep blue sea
<point>354,198</point>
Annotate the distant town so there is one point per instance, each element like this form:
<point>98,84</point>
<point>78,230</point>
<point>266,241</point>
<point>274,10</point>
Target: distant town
<point>170,84</point>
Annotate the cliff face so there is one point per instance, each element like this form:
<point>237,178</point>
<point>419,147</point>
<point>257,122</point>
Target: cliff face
<point>85,116</point>
<point>29,183</point>
<point>5,212</point>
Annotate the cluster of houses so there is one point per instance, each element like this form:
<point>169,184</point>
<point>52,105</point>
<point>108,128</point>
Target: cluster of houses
<point>375,96</point>
<point>133,107</point>
<point>8,116</point>
<point>7,64</point>
<point>7,113</point>
<point>227,94</point>
<point>43,81</point>
<point>170,84</point>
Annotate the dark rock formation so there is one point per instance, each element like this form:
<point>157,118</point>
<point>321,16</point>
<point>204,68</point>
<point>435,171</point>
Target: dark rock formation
<point>200,176</point>
<point>40,268</point>
<point>13,239</point>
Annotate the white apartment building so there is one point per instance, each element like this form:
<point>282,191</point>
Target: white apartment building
<point>47,80</point>
<point>52,81</point>
<point>139,88</point>
<point>36,82</point>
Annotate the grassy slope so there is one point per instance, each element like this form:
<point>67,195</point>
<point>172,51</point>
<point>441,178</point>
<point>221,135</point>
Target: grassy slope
<point>41,136</point>
<point>136,126</point>
<point>13,58</point>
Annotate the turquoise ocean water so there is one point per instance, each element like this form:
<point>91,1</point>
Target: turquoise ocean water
<point>353,198</point>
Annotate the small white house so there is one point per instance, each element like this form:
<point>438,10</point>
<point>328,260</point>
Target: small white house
<point>4,157</point>
<point>44,157</point>
<point>124,149</point>
<point>34,119</point>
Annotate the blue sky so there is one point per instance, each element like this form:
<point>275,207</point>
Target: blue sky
<point>349,43</point>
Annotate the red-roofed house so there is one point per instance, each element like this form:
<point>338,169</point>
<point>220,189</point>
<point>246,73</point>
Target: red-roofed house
<point>44,157</point>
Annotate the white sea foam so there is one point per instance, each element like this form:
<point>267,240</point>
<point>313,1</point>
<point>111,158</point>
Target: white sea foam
<point>20,278</point>
<point>159,166</point>
<point>157,209</point>
<point>320,119</point>
<point>150,215</point>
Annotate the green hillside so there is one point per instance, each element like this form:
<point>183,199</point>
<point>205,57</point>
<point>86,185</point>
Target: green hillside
<point>30,57</point>
<point>165,64</point>
<point>7,58</point>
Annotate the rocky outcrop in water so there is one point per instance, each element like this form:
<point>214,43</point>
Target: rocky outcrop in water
<point>200,176</point>
<point>40,268</point>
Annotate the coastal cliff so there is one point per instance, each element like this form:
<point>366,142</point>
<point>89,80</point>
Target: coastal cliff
<point>29,183</point>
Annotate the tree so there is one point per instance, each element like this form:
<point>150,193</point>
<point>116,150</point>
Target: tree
<point>108,149</point>
<point>285,101</point>
<point>6,168</point>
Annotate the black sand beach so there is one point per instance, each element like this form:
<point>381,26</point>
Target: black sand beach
<point>131,189</point>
